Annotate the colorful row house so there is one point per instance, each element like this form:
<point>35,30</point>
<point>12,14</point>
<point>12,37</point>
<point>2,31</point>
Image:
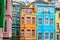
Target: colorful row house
<point>58,23</point>
<point>28,24</point>
<point>16,21</point>
<point>45,22</point>
<point>7,32</point>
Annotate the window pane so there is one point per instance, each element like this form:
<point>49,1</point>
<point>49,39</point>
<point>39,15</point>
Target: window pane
<point>46,35</point>
<point>17,32</point>
<point>13,32</point>
<point>33,32</point>
<point>22,32</point>
<point>22,20</point>
<point>18,9</point>
<point>46,20</point>
<point>40,9</point>
<point>51,21</point>
<point>33,20</point>
<point>57,37</point>
<point>28,20</point>
<point>51,9</point>
<point>39,36</point>
<point>57,25</point>
<point>59,15</point>
<point>28,32</point>
<point>45,10</point>
<point>51,36</point>
<point>14,9</point>
<point>39,20</point>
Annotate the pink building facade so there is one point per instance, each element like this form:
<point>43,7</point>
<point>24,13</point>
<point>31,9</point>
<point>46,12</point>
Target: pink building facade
<point>7,31</point>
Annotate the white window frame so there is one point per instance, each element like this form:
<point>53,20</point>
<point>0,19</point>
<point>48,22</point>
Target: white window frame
<point>50,21</point>
<point>46,10</point>
<point>40,35</point>
<point>40,20</point>
<point>40,9</point>
<point>45,36</point>
<point>52,10</point>
<point>44,21</point>
<point>53,36</point>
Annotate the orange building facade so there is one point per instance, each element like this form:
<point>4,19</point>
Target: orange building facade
<point>28,24</point>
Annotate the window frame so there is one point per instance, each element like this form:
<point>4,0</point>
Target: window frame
<point>33,20</point>
<point>45,10</point>
<point>22,32</point>
<point>28,32</point>
<point>52,21</point>
<point>53,35</point>
<point>46,36</point>
<point>28,20</point>
<point>40,9</point>
<point>40,37</point>
<point>51,9</point>
<point>45,21</point>
<point>22,20</point>
<point>39,20</point>
<point>33,32</point>
<point>58,26</point>
<point>59,15</point>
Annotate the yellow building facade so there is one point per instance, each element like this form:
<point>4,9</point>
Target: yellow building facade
<point>28,24</point>
<point>58,24</point>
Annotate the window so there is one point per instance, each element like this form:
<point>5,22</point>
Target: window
<point>17,21</point>
<point>29,11</point>
<point>5,28</point>
<point>46,20</point>
<point>51,36</point>
<point>51,9</point>
<point>57,25</point>
<point>58,37</point>
<point>18,18</point>
<point>14,10</point>
<point>33,32</point>
<point>59,15</point>
<point>14,19</point>
<point>39,36</point>
<point>28,32</point>
<point>22,32</point>
<point>45,10</point>
<point>58,9</point>
<point>18,9</point>
<point>28,20</point>
<point>51,21</point>
<point>33,20</point>
<point>13,32</point>
<point>39,20</point>
<point>22,20</point>
<point>46,36</point>
<point>17,31</point>
<point>40,9</point>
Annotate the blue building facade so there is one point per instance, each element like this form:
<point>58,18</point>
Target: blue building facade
<point>45,21</point>
<point>16,21</point>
